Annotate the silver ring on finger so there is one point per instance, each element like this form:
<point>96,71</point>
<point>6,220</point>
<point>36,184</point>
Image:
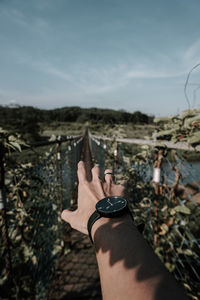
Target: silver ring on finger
<point>108,173</point>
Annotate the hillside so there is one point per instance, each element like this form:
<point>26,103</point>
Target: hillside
<point>33,123</point>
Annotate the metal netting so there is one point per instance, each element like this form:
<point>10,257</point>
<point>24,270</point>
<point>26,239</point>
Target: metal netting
<point>171,220</point>
<point>37,192</point>
<point>98,151</point>
<point>35,196</point>
<point>70,156</point>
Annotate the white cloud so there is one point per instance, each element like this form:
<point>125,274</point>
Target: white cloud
<point>193,51</point>
<point>191,56</point>
<point>149,73</point>
<point>88,79</point>
<point>14,15</point>
<point>52,70</point>
<point>22,19</point>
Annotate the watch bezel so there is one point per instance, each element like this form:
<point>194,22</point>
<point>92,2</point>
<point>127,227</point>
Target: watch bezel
<point>115,213</point>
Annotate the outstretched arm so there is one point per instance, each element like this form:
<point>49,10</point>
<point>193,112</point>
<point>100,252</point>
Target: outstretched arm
<point>128,267</point>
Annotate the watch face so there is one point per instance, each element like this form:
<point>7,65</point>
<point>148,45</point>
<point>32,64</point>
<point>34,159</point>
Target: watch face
<point>112,205</point>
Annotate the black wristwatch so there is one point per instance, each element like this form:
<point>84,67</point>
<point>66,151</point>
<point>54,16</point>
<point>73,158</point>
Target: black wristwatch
<point>109,207</point>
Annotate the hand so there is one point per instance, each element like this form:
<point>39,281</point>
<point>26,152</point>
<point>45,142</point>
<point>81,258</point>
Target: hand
<point>89,193</point>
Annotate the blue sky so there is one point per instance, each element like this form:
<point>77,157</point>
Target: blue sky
<point>121,54</point>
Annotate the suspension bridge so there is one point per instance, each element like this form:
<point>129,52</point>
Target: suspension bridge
<point>42,258</point>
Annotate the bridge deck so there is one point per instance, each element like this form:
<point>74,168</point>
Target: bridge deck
<point>76,275</point>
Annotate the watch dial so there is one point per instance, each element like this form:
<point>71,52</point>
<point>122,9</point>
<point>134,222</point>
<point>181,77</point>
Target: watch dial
<point>111,205</point>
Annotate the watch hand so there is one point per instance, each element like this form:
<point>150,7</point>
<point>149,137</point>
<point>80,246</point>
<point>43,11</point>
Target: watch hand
<point>109,202</point>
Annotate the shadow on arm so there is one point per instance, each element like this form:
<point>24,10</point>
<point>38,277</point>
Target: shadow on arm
<point>131,265</point>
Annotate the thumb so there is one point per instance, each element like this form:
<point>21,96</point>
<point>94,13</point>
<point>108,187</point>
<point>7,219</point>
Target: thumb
<point>67,215</point>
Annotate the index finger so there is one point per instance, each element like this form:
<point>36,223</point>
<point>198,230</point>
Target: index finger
<point>82,176</point>
<point>96,173</point>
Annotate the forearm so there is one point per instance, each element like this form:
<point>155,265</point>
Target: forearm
<point>128,267</point>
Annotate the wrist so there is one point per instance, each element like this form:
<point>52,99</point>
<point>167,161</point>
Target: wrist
<point>111,222</point>
<point>111,210</point>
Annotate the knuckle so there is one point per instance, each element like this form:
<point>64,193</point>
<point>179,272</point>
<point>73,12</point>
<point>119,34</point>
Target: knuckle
<point>96,180</point>
<point>84,181</point>
<point>81,164</point>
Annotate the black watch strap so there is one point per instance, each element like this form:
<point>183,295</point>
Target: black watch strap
<point>93,218</point>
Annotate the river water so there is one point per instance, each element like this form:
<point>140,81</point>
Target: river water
<point>190,172</point>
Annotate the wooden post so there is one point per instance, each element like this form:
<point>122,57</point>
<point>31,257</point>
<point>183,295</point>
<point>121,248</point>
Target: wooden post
<point>155,238</point>
<point>3,213</point>
<point>87,154</point>
<point>115,156</point>
<point>59,166</point>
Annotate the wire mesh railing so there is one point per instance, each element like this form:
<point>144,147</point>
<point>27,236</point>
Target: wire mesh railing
<point>35,195</point>
<point>171,220</point>
<point>37,192</point>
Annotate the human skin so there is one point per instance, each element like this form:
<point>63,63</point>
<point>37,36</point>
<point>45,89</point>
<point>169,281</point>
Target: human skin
<point>128,267</point>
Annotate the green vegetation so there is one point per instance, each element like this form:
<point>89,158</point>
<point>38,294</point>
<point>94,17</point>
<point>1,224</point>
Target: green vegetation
<point>171,223</point>
<point>34,124</point>
<point>34,197</point>
<point>36,190</point>
<point>184,127</point>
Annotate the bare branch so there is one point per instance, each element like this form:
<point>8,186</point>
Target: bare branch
<point>186,83</point>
